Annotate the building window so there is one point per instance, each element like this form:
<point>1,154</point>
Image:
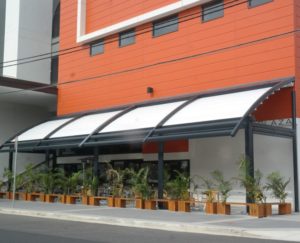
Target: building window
<point>212,10</point>
<point>97,48</point>
<point>127,38</point>
<point>54,70</point>
<point>254,3</point>
<point>165,26</point>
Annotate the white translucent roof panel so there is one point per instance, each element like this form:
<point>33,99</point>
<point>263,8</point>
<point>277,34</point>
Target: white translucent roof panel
<point>217,107</point>
<point>142,117</point>
<point>84,125</point>
<point>42,130</point>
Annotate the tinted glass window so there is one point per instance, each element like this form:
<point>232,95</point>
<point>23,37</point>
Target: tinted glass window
<point>165,26</point>
<point>254,3</point>
<point>126,38</point>
<point>213,10</point>
<point>97,48</point>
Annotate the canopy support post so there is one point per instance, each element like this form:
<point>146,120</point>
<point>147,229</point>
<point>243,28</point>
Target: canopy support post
<point>160,172</point>
<point>10,166</point>
<point>96,169</point>
<point>47,159</point>
<point>249,150</point>
<point>295,154</point>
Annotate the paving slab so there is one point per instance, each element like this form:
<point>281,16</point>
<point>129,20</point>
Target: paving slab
<point>274,227</point>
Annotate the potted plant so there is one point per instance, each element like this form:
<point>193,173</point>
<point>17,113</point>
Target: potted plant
<point>223,187</point>
<point>9,179</point>
<point>178,192</point>
<point>211,195</point>
<point>71,186</point>
<point>142,189</point>
<point>254,189</point>
<point>277,185</point>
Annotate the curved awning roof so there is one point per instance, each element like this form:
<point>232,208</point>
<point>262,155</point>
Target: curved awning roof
<point>215,113</point>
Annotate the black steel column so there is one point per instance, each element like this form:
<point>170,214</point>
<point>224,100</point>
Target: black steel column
<point>95,162</point>
<point>295,152</point>
<point>47,159</point>
<point>10,166</point>
<point>54,160</point>
<point>160,170</point>
<point>96,171</point>
<point>249,149</point>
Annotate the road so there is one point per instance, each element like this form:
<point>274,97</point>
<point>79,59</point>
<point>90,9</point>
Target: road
<point>16,229</point>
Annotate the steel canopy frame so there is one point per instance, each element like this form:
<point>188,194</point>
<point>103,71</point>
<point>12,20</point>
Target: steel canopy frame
<point>226,127</point>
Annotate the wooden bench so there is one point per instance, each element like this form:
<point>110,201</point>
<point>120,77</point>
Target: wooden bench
<point>257,210</point>
<point>3,195</point>
<point>34,196</point>
<point>71,199</point>
<point>95,201</point>
<point>51,198</point>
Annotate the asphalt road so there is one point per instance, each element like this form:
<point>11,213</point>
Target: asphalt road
<point>19,229</point>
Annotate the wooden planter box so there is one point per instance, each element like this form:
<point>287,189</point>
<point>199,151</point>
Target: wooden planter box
<point>139,203</point>
<point>34,196</point>
<point>257,210</point>
<point>21,195</point>
<point>85,200</point>
<point>9,195</point>
<point>50,198</point>
<point>120,203</point>
<point>223,208</point>
<point>71,199</point>
<point>110,202</point>
<point>268,209</point>
<point>172,205</point>
<point>211,208</point>
<point>184,206</point>
<point>284,208</point>
<point>150,204</point>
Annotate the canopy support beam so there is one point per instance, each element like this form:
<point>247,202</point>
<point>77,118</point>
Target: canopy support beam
<point>295,154</point>
<point>249,151</point>
<point>160,171</point>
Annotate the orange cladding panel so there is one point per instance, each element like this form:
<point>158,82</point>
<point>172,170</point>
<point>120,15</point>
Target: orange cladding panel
<point>199,56</point>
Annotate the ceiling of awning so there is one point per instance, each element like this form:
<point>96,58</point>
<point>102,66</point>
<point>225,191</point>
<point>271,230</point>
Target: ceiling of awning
<point>215,113</point>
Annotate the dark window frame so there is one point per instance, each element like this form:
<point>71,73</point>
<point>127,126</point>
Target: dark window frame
<point>161,21</point>
<point>210,4</point>
<point>127,32</point>
<point>259,4</point>
<point>95,43</point>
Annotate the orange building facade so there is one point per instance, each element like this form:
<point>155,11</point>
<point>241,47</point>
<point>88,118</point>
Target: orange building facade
<point>244,45</point>
<point>175,48</point>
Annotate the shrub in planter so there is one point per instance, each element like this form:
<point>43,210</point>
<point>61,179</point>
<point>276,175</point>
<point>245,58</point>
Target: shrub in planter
<point>223,187</point>
<point>141,188</point>
<point>178,192</point>
<point>211,195</point>
<point>277,185</point>
<point>254,188</point>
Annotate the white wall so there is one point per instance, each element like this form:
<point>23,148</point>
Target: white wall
<point>14,118</point>
<point>28,32</point>
<point>11,39</point>
<point>223,153</point>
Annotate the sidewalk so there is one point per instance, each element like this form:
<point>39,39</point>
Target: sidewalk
<point>276,227</point>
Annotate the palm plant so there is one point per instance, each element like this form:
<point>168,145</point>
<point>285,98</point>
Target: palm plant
<point>277,185</point>
<point>50,180</point>
<point>71,182</point>
<point>210,188</point>
<point>223,186</point>
<point>31,178</point>
<point>116,180</point>
<point>178,188</point>
<point>139,182</point>
<point>253,185</point>
<point>9,177</point>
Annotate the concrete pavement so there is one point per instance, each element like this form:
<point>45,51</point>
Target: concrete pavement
<point>275,227</point>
